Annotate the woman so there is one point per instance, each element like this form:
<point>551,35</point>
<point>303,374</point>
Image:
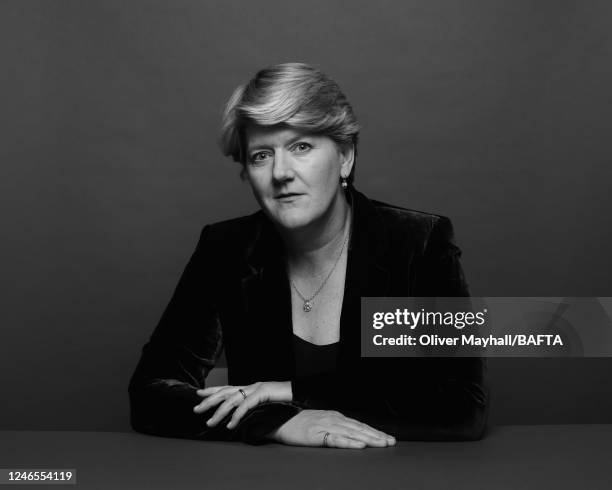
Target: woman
<point>280,291</point>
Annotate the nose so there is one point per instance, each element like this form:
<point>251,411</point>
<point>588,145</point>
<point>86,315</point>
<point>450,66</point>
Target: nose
<point>282,169</point>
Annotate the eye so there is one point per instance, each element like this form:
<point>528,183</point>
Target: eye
<point>302,147</point>
<point>259,157</point>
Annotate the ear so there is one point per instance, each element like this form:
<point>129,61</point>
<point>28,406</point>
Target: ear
<point>347,159</point>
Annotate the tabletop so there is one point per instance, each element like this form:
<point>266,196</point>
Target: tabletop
<point>551,456</point>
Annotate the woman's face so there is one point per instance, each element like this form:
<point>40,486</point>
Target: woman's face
<point>295,176</point>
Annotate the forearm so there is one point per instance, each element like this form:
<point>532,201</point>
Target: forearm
<point>163,394</point>
<point>435,399</point>
<point>165,408</point>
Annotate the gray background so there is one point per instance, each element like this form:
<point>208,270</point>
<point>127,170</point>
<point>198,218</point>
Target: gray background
<point>495,113</point>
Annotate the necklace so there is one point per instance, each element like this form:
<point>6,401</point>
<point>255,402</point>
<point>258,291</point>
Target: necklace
<point>308,301</point>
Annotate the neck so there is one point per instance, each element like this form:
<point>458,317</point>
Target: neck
<point>313,246</point>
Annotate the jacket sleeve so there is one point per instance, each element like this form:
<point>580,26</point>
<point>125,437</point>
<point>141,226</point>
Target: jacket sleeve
<point>182,350</point>
<point>441,398</point>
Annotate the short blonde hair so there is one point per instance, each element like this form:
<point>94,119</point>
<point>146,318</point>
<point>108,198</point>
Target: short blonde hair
<point>294,95</point>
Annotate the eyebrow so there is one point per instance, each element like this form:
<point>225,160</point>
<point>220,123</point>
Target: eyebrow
<point>291,141</point>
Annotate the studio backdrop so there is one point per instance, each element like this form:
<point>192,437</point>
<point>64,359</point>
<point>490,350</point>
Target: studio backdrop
<point>494,113</point>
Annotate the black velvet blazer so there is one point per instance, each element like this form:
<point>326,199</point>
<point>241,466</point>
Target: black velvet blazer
<point>234,294</point>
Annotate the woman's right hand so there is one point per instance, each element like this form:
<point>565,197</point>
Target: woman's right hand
<point>308,428</point>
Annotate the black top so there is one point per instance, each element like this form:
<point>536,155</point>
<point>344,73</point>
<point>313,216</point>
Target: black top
<point>312,358</point>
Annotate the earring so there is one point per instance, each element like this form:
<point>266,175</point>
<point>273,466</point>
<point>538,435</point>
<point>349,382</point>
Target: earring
<point>343,182</point>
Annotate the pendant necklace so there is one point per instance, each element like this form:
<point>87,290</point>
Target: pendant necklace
<point>307,307</point>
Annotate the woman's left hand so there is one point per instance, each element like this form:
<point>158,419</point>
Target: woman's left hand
<point>257,393</point>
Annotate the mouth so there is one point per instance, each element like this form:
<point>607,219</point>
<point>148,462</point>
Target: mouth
<point>287,196</point>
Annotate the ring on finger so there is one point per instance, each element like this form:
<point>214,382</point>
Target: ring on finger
<point>327,434</point>
<point>241,391</point>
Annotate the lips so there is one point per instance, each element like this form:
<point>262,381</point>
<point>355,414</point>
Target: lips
<point>287,195</point>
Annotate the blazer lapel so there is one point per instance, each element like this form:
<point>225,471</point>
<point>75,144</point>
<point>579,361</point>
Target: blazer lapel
<point>367,273</point>
<point>267,302</point>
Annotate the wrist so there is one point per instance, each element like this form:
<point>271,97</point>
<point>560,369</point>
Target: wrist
<point>289,390</point>
<point>272,435</point>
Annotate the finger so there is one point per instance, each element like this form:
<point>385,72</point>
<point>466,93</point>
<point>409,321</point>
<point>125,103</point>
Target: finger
<point>211,401</point>
<point>211,390</point>
<point>251,401</point>
<point>214,400</point>
<point>224,409</point>
<point>366,430</point>
<point>340,441</point>
<point>207,404</point>
<point>255,394</point>
<point>360,435</point>
<point>369,429</point>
